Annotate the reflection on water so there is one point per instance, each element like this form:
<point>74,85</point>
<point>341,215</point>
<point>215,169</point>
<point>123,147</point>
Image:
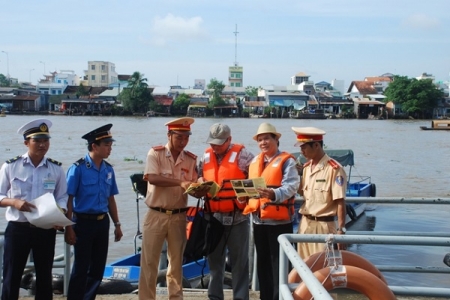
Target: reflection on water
<point>401,159</point>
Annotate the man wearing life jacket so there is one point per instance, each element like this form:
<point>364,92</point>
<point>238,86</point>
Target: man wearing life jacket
<point>221,162</point>
<point>273,211</point>
<point>323,186</point>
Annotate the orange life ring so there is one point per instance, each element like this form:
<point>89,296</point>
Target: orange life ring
<point>316,262</point>
<point>348,277</point>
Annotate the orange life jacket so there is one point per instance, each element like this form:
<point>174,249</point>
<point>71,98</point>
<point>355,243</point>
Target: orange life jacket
<point>225,200</point>
<point>273,175</point>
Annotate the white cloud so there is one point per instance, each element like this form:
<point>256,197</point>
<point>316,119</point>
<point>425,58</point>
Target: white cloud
<point>421,21</point>
<point>175,29</point>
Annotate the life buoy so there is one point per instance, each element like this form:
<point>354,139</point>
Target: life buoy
<point>351,212</point>
<point>373,190</point>
<point>348,277</point>
<point>316,262</point>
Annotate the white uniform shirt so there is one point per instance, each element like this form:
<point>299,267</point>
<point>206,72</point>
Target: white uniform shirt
<point>20,179</point>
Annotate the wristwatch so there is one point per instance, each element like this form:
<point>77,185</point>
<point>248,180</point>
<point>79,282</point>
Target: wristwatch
<point>117,224</point>
<point>343,229</point>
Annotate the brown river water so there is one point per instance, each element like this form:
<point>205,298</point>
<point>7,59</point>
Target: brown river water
<point>402,160</point>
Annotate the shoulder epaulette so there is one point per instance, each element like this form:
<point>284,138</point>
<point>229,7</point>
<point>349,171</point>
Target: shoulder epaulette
<point>190,154</point>
<point>158,148</point>
<point>307,163</point>
<point>11,160</point>
<point>79,162</point>
<point>54,161</point>
<point>334,164</point>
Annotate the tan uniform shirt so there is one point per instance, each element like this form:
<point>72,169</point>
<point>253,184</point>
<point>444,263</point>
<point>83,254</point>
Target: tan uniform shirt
<point>321,187</point>
<point>160,162</point>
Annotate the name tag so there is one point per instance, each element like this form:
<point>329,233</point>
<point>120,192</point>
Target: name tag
<point>320,180</point>
<point>49,184</point>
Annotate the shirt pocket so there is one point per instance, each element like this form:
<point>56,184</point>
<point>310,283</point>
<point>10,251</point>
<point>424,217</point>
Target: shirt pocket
<point>20,188</point>
<point>166,173</point>
<point>321,191</point>
<point>89,185</point>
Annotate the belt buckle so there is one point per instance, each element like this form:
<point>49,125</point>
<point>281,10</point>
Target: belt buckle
<point>100,217</point>
<point>169,212</point>
<point>315,218</point>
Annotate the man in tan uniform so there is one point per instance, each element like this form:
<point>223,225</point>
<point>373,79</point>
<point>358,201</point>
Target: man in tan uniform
<point>323,186</point>
<point>169,171</point>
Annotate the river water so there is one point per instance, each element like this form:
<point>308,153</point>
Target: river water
<point>402,160</point>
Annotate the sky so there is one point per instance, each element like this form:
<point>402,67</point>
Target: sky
<point>175,42</point>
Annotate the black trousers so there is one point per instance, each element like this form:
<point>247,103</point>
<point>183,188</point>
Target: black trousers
<point>90,254</point>
<point>20,239</point>
<point>268,261</point>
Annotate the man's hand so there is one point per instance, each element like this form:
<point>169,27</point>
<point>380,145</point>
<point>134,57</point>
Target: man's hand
<point>117,234</point>
<point>69,236</point>
<point>23,205</point>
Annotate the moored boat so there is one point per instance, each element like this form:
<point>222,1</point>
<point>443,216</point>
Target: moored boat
<point>438,125</point>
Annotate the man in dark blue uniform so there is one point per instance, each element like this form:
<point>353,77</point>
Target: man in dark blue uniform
<point>22,179</point>
<point>91,186</point>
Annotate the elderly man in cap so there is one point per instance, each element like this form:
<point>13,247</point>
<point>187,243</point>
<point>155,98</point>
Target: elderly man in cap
<point>222,162</point>
<point>169,170</point>
<point>273,211</point>
<point>324,174</point>
<point>91,186</point>
<point>22,179</point>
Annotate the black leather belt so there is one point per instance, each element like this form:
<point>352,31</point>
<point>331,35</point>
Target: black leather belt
<point>97,217</point>
<point>321,219</point>
<point>168,211</point>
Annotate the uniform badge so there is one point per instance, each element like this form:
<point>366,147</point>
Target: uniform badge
<point>340,180</point>
<point>43,127</point>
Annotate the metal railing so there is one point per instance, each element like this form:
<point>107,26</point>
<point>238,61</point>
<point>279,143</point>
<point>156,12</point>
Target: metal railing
<point>289,254</point>
<point>62,261</point>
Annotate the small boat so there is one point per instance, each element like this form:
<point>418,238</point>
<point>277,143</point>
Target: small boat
<point>438,125</point>
<point>362,187</point>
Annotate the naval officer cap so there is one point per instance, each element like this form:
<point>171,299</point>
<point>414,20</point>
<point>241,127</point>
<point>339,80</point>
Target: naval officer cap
<point>100,134</point>
<point>308,135</point>
<point>36,129</point>
<point>180,126</point>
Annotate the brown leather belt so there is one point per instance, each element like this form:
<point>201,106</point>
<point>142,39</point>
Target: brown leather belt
<point>97,217</point>
<point>168,211</point>
<point>321,219</point>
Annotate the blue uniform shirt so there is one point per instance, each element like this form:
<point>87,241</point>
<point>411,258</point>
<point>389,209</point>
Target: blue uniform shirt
<point>90,186</point>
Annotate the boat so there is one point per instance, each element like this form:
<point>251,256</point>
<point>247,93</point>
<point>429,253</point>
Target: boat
<point>362,187</point>
<point>438,125</point>
<point>308,114</point>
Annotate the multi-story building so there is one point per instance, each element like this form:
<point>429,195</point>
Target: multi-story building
<point>56,82</point>
<point>236,76</point>
<point>101,73</point>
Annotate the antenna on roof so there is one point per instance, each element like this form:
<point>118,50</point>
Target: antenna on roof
<point>235,47</point>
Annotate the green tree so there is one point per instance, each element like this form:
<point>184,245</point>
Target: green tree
<point>82,90</point>
<point>415,96</point>
<point>136,97</point>
<point>251,91</point>
<point>216,87</point>
<point>181,103</point>
<point>3,80</point>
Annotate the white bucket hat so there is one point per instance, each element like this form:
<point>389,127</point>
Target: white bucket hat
<point>266,128</point>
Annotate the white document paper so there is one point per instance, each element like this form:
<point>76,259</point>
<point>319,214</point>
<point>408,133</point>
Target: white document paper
<point>47,214</point>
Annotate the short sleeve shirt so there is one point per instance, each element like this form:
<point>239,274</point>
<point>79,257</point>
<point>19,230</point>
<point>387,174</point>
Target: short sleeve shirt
<point>91,187</point>
<point>321,187</point>
<point>20,179</point>
<point>160,162</point>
